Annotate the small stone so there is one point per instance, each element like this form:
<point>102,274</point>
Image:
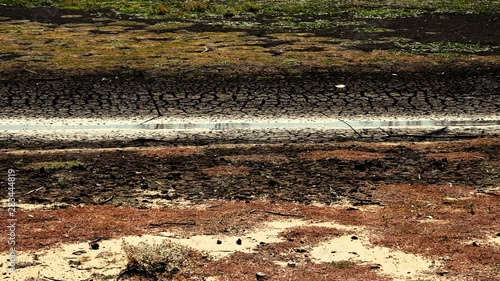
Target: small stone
<point>442,272</point>
<point>375,266</point>
<point>340,86</point>
<point>498,234</point>
<point>94,245</point>
<point>475,244</point>
<point>238,241</point>
<point>77,253</point>
<point>219,242</point>
<point>299,250</point>
<point>290,264</point>
<point>262,243</point>
<point>260,275</point>
<point>354,237</point>
<point>352,209</point>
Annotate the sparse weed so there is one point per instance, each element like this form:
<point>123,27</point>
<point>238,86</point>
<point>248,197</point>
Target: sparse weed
<point>156,260</point>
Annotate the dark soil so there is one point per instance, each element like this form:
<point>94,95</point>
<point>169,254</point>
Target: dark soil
<point>353,171</point>
<point>207,93</point>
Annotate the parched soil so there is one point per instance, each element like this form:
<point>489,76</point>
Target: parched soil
<point>436,200</point>
<point>325,173</point>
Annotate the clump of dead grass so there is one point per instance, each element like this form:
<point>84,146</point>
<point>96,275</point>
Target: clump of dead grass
<point>341,154</point>
<point>458,156</point>
<point>163,260</point>
<point>226,170</point>
<point>171,151</point>
<point>270,158</point>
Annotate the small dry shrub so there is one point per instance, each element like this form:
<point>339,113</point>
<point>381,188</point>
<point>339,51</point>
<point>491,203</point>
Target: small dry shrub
<point>156,260</point>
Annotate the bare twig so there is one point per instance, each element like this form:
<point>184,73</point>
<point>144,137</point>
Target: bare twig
<point>171,223</point>
<point>30,71</point>
<point>388,133</point>
<point>357,133</point>
<point>151,119</point>
<point>50,278</point>
<point>437,132</point>
<point>34,190</point>
<point>276,213</point>
<point>71,229</point>
<point>106,200</point>
<point>140,74</point>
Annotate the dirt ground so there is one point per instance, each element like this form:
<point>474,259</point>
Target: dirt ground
<point>435,202</point>
<point>264,204</point>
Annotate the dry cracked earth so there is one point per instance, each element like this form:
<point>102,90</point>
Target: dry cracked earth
<point>264,204</point>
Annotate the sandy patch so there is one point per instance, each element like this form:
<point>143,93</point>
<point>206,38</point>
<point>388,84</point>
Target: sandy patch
<point>78,261</point>
<point>395,263</point>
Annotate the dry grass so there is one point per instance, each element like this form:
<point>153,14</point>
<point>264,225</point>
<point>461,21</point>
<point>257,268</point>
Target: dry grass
<point>225,170</point>
<point>458,156</point>
<point>82,46</point>
<point>341,154</point>
<point>269,158</point>
<point>171,151</point>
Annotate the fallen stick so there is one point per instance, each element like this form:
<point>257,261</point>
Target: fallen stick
<point>357,133</point>
<point>34,190</point>
<point>50,278</point>
<point>106,200</point>
<point>277,213</point>
<point>140,74</point>
<point>171,223</point>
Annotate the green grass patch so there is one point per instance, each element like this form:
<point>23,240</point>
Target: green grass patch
<point>55,165</point>
<point>440,47</point>
<point>385,13</point>
<point>247,8</point>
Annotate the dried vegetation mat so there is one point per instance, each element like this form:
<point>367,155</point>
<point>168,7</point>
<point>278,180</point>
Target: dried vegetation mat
<point>420,231</point>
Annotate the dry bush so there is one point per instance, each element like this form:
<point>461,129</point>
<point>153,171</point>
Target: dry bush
<point>156,260</point>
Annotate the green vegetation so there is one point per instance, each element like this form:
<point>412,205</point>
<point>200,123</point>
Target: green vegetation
<point>248,8</point>
<point>439,47</point>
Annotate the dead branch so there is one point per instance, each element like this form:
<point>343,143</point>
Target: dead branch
<point>106,200</point>
<point>140,74</point>
<point>151,225</point>
<point>277,213</point>
<point>50,278</point>
<point>437,132</point>
<point>34,190</point>
<point>357,133</point>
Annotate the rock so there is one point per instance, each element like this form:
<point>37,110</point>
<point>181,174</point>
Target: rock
<point>475,244</point>
<point>498,234</point>
<point>442,272</point>
<point>77,253</point>
<point>219,242</point>
<point>260,276</point>
<point>354,237</point>
<point>300,250</point>
<point>290,264</point>
<point>375,266</point>
<point>94,245</point>
<point>238,241</point>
